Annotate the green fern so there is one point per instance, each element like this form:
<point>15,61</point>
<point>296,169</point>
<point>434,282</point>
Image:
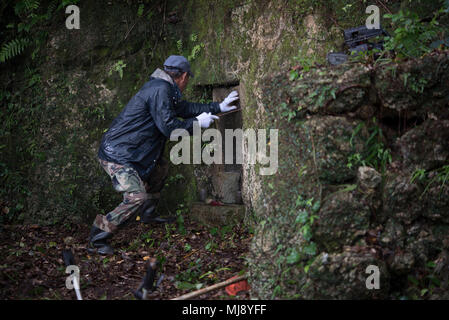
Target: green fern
<point>51,8</point>
<point>13,48</point>
<point>26,6</point>
<point>31,4</point>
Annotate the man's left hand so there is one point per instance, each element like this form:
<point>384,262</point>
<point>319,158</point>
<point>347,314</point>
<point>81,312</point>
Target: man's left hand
<point>225,105</point>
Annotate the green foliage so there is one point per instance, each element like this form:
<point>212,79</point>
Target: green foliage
<point>192,54</point>
<point>305,218</point>
<point>288,113</point>
<point>375,153</point>
<point>175,179</point>
<point>322,94</point>
<point>180,218</point>
<point>187,247</point>
<point>25,11</point>
<point>147,238</point>
<point>13,48</point>
<point>28,31</point>
<point>189,279</point>
<point>19,150</point>
<point>25,6</point>
<point>140,10</point>
<point>424,284</point>
<point>317,98</point>
<point>304,211</point>
<point>305,63</point>
<point>412,37</point>
<point>196,47</point>
<point>211,246</point>
<point>439,177</point>
<point>179,46</point>
<point>118,67</point>
<point>417,85</point>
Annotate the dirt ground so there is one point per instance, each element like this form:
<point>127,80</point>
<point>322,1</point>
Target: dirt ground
<point>191,257</point>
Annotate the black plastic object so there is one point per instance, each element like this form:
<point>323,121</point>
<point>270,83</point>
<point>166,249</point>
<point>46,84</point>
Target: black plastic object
<point>336,58</point>
<point>356,41</point>
<point>356,36</point>
<point>68,258</point>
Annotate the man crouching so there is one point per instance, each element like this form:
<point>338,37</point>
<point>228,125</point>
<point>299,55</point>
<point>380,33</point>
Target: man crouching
<point>131,150</point>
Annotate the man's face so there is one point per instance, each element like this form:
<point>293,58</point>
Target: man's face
<point>183,81</point>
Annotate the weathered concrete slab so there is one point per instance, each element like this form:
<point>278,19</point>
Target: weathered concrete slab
<point>226,187</point>
<point>216,216</point>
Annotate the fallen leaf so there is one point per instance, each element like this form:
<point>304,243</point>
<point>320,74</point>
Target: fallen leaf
<point>146,258</point>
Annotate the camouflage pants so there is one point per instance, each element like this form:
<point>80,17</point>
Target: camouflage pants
<point>136,192</point>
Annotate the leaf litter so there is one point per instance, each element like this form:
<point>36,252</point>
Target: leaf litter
<point>191,258</point>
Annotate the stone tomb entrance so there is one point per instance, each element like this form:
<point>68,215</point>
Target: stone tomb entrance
<point>221,182</point>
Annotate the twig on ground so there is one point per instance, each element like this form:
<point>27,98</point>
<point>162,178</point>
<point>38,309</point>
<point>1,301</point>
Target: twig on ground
<point>211,288</point>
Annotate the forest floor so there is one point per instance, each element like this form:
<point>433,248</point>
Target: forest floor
<point>191,256</point>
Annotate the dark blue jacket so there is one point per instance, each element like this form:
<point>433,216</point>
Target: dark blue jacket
<point>137,136</point>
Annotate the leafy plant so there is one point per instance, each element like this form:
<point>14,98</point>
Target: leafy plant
<point>187,247</point>
<point>418,174</point>
<point>288,112</point>
<point>147,238</point>
<point>416,85</point>
<point>211,246</point>
<point>439,176</point>
<point>424,284</point>
<point>189,279</point>
<point>180,219</point>
<point>196,49</point>
<point>305,63</point>
<point>375,153</point>
<point>140,10</point>
<point>412,36</point>
<point>179,46</point>
<point>118,67</point>
<point>13,48</point>
<point>26,30</point>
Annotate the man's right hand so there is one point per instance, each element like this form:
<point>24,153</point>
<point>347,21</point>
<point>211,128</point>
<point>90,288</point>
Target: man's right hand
<point>205,119</point>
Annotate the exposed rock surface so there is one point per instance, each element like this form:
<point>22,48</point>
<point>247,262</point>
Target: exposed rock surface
<point>381,186</point>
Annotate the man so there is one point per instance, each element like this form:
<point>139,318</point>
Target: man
<point>131,150</point>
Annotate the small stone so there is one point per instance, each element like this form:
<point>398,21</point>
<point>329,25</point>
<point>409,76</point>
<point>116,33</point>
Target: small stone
<point>368,178</point>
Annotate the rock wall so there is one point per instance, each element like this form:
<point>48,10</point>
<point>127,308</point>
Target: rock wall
<point>373,213</point>
<point>337,203</point>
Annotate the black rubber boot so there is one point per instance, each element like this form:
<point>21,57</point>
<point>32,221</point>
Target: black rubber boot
<point>98,242</point>
<point>150,215</point>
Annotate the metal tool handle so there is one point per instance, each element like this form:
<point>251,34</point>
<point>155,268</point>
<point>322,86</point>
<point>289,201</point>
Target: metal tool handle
<point>69,260</point>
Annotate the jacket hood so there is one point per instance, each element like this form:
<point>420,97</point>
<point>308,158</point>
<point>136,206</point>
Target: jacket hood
<point>161,74</point>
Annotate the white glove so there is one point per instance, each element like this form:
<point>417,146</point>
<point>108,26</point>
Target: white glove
<point>225,105</point>
<point>205,119</point>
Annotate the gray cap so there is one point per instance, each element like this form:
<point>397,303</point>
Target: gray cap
<point>177,63</point>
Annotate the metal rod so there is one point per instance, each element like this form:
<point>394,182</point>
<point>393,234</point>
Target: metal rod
<point>76,285</point>
<point>229,112</point>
